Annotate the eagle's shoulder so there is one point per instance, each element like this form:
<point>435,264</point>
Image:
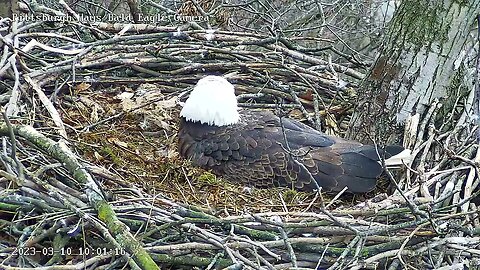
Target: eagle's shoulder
<point>259,118</point>
<point>281,129</point>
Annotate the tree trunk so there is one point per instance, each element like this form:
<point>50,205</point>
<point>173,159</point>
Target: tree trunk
<point>418,65</point>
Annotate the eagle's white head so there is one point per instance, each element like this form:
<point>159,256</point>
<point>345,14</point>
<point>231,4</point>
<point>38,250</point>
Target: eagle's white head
<point>212,102</point>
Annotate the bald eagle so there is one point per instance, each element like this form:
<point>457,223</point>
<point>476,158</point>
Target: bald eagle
<point>258,148</point>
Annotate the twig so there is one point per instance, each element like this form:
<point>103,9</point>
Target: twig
<point>293,258</point>
<point>476,107</point>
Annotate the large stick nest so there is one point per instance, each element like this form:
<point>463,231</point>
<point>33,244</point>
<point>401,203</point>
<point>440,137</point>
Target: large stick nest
<point>90,177</point>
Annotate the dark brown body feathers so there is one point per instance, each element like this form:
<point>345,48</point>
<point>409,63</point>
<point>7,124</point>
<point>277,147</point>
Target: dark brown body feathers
<point>257,151</point>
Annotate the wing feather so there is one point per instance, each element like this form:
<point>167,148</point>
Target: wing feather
<point>254,152</point>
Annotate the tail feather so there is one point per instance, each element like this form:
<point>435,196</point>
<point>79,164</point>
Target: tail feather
<point>399,159</point>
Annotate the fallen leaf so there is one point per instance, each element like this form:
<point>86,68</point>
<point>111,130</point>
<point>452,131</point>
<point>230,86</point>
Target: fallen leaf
<point>81,87</point>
